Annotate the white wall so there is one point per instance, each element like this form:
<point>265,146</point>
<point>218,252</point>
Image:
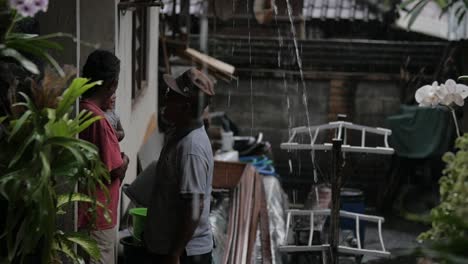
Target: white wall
<point>136,115</point>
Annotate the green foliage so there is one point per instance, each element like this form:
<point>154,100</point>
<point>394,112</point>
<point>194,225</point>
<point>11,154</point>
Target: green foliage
<point>35,45</point>
<point>448,236</point>
<point>41,155</point>
<point>414,8</point>
<point>16,45</point>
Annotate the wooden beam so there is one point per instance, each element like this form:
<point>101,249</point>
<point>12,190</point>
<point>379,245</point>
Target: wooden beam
<point>210,61</point>
<point>265,227</point>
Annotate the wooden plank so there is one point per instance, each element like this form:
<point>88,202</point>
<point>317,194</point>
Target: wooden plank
<point>210,61</point>
<point>248,184</point>
<point>230,227</point>
<point>255,216</point>
<point>227,175</point>
<point>265,227</point>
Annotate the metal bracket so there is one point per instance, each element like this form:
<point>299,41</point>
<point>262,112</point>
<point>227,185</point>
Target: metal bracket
<point>134,5</point>
<point>358,251</point>
<point>341,128</point>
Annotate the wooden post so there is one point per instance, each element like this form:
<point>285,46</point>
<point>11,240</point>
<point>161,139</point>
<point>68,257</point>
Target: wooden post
<point>335,207</point>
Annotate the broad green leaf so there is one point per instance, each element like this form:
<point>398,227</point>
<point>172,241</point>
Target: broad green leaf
<point>406,3</point>
<point>87,123</point>
<point>20,36</point>
<point>72,93</point>
<point>72,142</point>
<point>54,64</point>
<point>34,48</point>
<point>58,129</point>
<point>86,243</point>
<point>67,143</point>
<point>19,124</point>
<point>21,150</point>
<point>2,119</point>
<point>45,164</point>
<point>75,197</point>
<point>84,115</point>
<point>27,64</point>
<point>30,105</point>
<point>68,35</point>
<point>415,11</point>
<point>8,176</point>
<point>64,247</point>
<point>46,44</point>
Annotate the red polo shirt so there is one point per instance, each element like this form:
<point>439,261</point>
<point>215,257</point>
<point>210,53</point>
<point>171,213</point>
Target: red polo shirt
<point>101,134</point>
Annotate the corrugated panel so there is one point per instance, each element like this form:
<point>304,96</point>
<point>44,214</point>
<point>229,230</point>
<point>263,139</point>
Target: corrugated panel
<point>339,10</point>
<point>331,55</point>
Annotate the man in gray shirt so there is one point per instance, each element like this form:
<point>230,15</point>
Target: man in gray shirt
<point>177,228</point>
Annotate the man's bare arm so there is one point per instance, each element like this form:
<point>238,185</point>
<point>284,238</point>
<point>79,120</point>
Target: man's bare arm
<point>192,208</point>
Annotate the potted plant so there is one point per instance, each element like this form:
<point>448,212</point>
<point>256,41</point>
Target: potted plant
<point>447,240</point>
<point>40,154</point>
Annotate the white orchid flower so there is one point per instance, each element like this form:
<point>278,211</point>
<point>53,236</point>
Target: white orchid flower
<point>451,92</point>
<point>29,8</point>
<point>448,93</point>
<point>427,95</point>
<point>462,90</point>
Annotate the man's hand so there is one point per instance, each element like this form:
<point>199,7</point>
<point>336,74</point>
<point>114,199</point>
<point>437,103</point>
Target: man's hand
<point>126,161</point>
<point>120,135</point>
<point>119,173</point>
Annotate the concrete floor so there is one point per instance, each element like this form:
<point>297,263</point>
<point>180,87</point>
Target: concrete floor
<point>399,237</point>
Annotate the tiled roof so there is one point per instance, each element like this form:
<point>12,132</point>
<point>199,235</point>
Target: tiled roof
<point>340,10</point>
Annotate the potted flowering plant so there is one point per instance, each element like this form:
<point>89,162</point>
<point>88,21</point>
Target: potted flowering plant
<point>447,240</point>
<point>40,153</point>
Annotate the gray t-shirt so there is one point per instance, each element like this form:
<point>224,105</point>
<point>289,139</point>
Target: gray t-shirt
<point>184,167</point>
<point>113,118</point>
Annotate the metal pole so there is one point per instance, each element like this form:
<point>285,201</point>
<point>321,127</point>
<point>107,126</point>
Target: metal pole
<point>77,103</point>
<point>335,209</point>
<point>174,19</point>
<point>204,28</point>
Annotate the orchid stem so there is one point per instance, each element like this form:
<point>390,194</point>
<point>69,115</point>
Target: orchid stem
<point>455,120</point>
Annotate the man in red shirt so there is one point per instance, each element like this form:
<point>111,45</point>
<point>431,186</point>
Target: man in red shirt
<point>103,65</point>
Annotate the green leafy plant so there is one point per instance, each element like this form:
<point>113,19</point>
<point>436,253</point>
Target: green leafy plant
<point>16,45</point>
<point>415,7</point>
<point>448,237</point>
<point>40,155</point>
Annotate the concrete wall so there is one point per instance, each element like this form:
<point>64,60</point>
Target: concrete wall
<point>60,17</point>
<point>367,103</point>
<point>100,26</point>
<point>271,114</point>
<point>97,26</point>
<point>137,115</point>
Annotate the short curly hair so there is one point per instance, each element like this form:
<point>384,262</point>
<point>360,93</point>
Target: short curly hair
<point>101,65</point>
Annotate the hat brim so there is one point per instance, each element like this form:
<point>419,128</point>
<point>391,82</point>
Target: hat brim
<point>172,84</point>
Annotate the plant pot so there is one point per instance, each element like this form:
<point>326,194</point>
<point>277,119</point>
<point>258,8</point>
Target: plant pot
<point>134,250</point>
<point>139,218</point>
